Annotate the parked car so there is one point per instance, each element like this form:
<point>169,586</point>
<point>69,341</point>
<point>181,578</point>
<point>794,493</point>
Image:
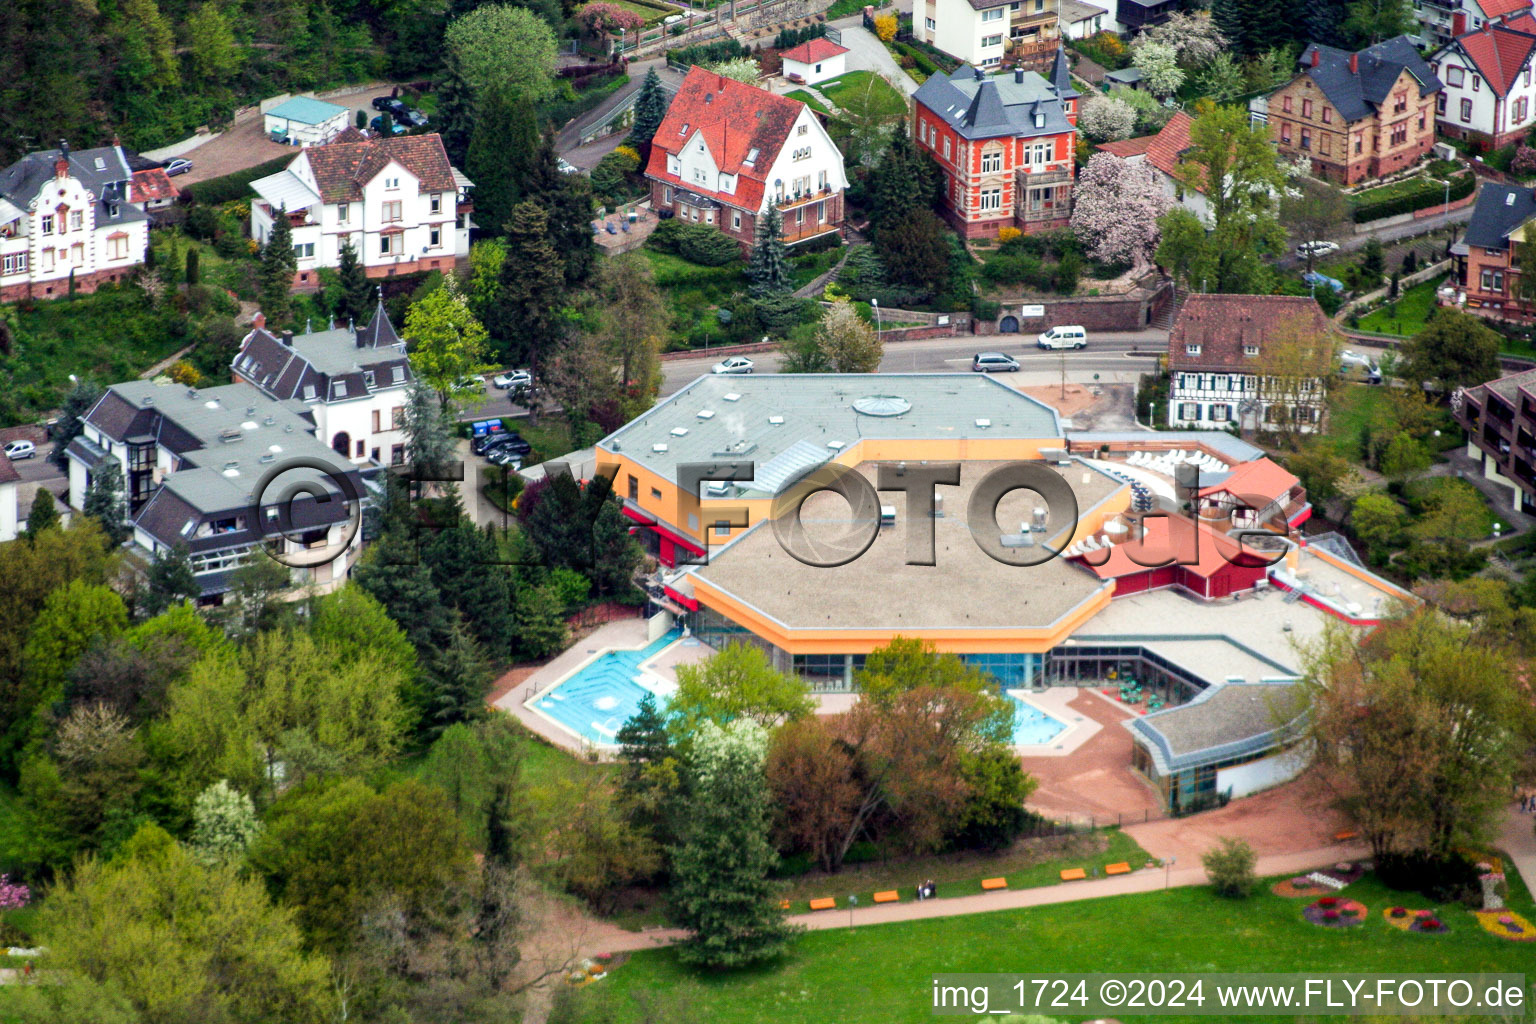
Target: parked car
<point>564,166</point>
<point>511,441</point>
<point>393,104</point>
<point>1315,249</point>
<point>395,127</point>
<point>735,364</point>
<point>512,379</point>
<point>412,117</point>
<point>1355,366</point>
<point>20,449</point>
<point>177,166</point>
<point>1063,337</point>
<point>470,384</point>
<point>994,362</point>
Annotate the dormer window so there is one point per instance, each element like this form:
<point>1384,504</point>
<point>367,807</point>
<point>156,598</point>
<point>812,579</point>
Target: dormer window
<point>368,378</point>
<point>684,129</point>
<point>752,155</point>
<point>309,392</point>
<point>1250,350</point>
<point>341,389</point>
<point>1191,350</point>
<point>397,374</point>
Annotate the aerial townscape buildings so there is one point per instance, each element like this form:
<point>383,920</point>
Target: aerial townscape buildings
<point>478,479</point>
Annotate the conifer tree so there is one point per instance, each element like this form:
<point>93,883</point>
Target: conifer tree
<point>278,264</point>
<point>44,514</point>
<point>502,148</point>
<point>171,581</point>
<point>104,501</point>
<point>532,288</point>
<point>353,302</point>
<point>768,269</point>
<point>459,680</point>
<point>650,109</point>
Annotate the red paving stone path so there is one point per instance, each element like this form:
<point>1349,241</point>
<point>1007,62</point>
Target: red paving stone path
<point>1095,779</point>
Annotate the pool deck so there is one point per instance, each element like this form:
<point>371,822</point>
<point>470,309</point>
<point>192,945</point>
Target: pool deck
<point>1056,702</point>
<point>625,634</point>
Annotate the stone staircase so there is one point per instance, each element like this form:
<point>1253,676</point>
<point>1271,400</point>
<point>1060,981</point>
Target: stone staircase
<point>1165,317</point>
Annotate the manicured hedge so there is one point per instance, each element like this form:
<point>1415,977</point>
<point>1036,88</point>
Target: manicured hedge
<point>235,186</point>
<point>1409,199</point>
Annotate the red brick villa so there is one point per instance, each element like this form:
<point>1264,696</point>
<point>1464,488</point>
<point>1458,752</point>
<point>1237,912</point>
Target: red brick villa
<point>1006,146</point>
<point>726,150</point>
<point>1487,257</point>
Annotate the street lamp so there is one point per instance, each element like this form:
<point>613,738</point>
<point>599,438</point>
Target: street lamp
<point>875,303</point>
<point>1168,869</point>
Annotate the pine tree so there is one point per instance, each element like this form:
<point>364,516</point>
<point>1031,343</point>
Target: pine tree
<point>104,501</point>
<point>1324,21</point>
<point>768,269</point>
<point>395,575</point>
<point>192,266</point>
<point>171,581</point>
<point>567,200</point>
<point>455,121</point>
<point>650,108</point>
<point>353,301</point>
<point>76,404</point>
<point>44,514</point>
<point>502,150</point>
<point>897,185</point>
<point>278,264</point>
<point>459,680</point>
<point>533,289</point>
<point>539,619</point>
<point>721,890</point>
<point>462,561</point>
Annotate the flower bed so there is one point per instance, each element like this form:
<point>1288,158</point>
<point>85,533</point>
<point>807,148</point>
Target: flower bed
<point>1335,912</point>
<point>1506,924</point>
<point>1300,887</point>
<point>1426,921</point>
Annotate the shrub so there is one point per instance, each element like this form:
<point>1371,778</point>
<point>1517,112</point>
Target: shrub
<point>703,244</point>
<point>1452,879</point>
<point>885,27</point>
<point>1406,197</point>
<point>1230,868</point>
<point>1007,235</point>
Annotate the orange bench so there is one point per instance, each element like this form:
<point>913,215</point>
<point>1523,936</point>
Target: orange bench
<point>783,904</point>
<point>1344,836</point>
<point>889,896</point>
<point>1122,868</point>
<point>825,903</point>
<point>1073,874</point>
<point>988,884</point>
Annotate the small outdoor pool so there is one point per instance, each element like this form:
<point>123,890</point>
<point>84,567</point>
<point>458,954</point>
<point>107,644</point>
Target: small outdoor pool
<point>1031,726</point>
<point>597,699</point>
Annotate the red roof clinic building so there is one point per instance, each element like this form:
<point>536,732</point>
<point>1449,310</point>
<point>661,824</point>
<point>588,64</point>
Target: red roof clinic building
<point>726,150</point>
<point>1005,143</point>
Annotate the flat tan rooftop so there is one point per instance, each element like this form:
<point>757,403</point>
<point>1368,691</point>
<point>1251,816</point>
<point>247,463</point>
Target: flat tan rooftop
<point>966,588</point>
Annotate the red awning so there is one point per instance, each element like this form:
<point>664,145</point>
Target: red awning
<point>665,531</point>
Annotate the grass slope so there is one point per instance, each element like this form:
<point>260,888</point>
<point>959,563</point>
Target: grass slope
<point>1408,315</point>
<point>841,89</point>
<point>881,974</point>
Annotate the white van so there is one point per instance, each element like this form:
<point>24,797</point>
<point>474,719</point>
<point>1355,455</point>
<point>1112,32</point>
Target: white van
<point>1064,337</point>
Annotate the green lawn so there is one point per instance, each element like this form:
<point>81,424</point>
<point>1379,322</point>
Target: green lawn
<point>652,13</point>
<point>882,975</point>
<point>1406,316</point>
<point>808,100</point>
<point>844,87</point>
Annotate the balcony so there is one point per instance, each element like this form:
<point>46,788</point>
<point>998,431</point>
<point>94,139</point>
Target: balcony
<point>792,200</point>
<point>1054,176</point>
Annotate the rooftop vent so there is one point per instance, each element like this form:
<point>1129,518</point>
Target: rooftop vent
<point>983,423</point>
<point>706,414</point>
<point>732,397</point>
<point>658,447</point>
<point>740,446</point>
<point>679,431</point>
<point>230,436</point>
<point>270,420</point>
<point>1509,200</point>
<point>149,399</point>
<point>835,445</point>
<point>777,421</point>
<point>882,405</point>
<point>268,458</point>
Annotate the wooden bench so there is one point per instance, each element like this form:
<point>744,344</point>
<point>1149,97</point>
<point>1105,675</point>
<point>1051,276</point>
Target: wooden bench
<point>1122,868</point>
<point>1344,836</point>
<point>889,896</point>
<point>825,903</point>
<point>988,884</point>
<point>1073,874</point>
<point>783,904</point>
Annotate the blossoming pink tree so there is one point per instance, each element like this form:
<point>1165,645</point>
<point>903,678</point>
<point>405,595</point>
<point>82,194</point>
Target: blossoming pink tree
<point>600,20</point>
<point>1115,209</point>
<point>13,897</point>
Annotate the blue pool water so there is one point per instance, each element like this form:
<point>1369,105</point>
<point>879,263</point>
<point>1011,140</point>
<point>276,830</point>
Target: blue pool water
<point>596,700</point>
<point>1033,726</point>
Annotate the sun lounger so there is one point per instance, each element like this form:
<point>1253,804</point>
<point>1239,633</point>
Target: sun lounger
<point>989,884</point>
<point>1344,836</point>
<point>889,896</point>
<point>1073,874</point>
<point>1123,868</point>
<point>825,903</point>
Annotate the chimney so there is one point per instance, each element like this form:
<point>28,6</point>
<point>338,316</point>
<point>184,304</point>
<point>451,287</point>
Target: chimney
<point>979,75</point>
<point>1317,57</point>
<point>1354,63</point>
<point>64,148</point>
<point>288,338</point>
<point>259,321</point>
<point>61,168</point>
<point>720,86</point>
<point>1018,75</point>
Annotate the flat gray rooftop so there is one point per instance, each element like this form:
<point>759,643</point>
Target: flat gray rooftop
<point>334,351</point>
<point>1222,716</point>
<point>805,419</point>
<point>1233,449</point>
<point>966,589</point>
<point>1509,387</point>
<point>206,413</point>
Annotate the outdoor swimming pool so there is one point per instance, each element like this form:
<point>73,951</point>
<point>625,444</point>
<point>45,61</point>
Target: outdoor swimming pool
<point>597,699</point>
<point>1031,726</point>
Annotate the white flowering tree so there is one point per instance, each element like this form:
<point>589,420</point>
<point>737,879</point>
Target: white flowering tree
<point>223,824</point>
<point>1159,66</point>
<point>1115,210</point>
<point>1195,39</point>
<point>742,69</point>
<point>1105,119</point>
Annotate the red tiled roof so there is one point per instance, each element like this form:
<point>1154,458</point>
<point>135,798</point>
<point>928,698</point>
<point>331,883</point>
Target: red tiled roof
<point>1222,325</point>
<point>1169,539</point>
<point>1260,478</point>
<point>151,185</point>
<point>1523,22</point>
<point>734,118</point>
<point>1499,53</point>
<point>342,169</point>
<point>1500,8</point>
<point>347,134</point>
<point>1127,148</point>
<point>814,50</point>
<point>1166,146</point>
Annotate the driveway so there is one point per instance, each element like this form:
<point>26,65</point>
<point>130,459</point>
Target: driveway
<point>246,144</point>
<point>867,53</point>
